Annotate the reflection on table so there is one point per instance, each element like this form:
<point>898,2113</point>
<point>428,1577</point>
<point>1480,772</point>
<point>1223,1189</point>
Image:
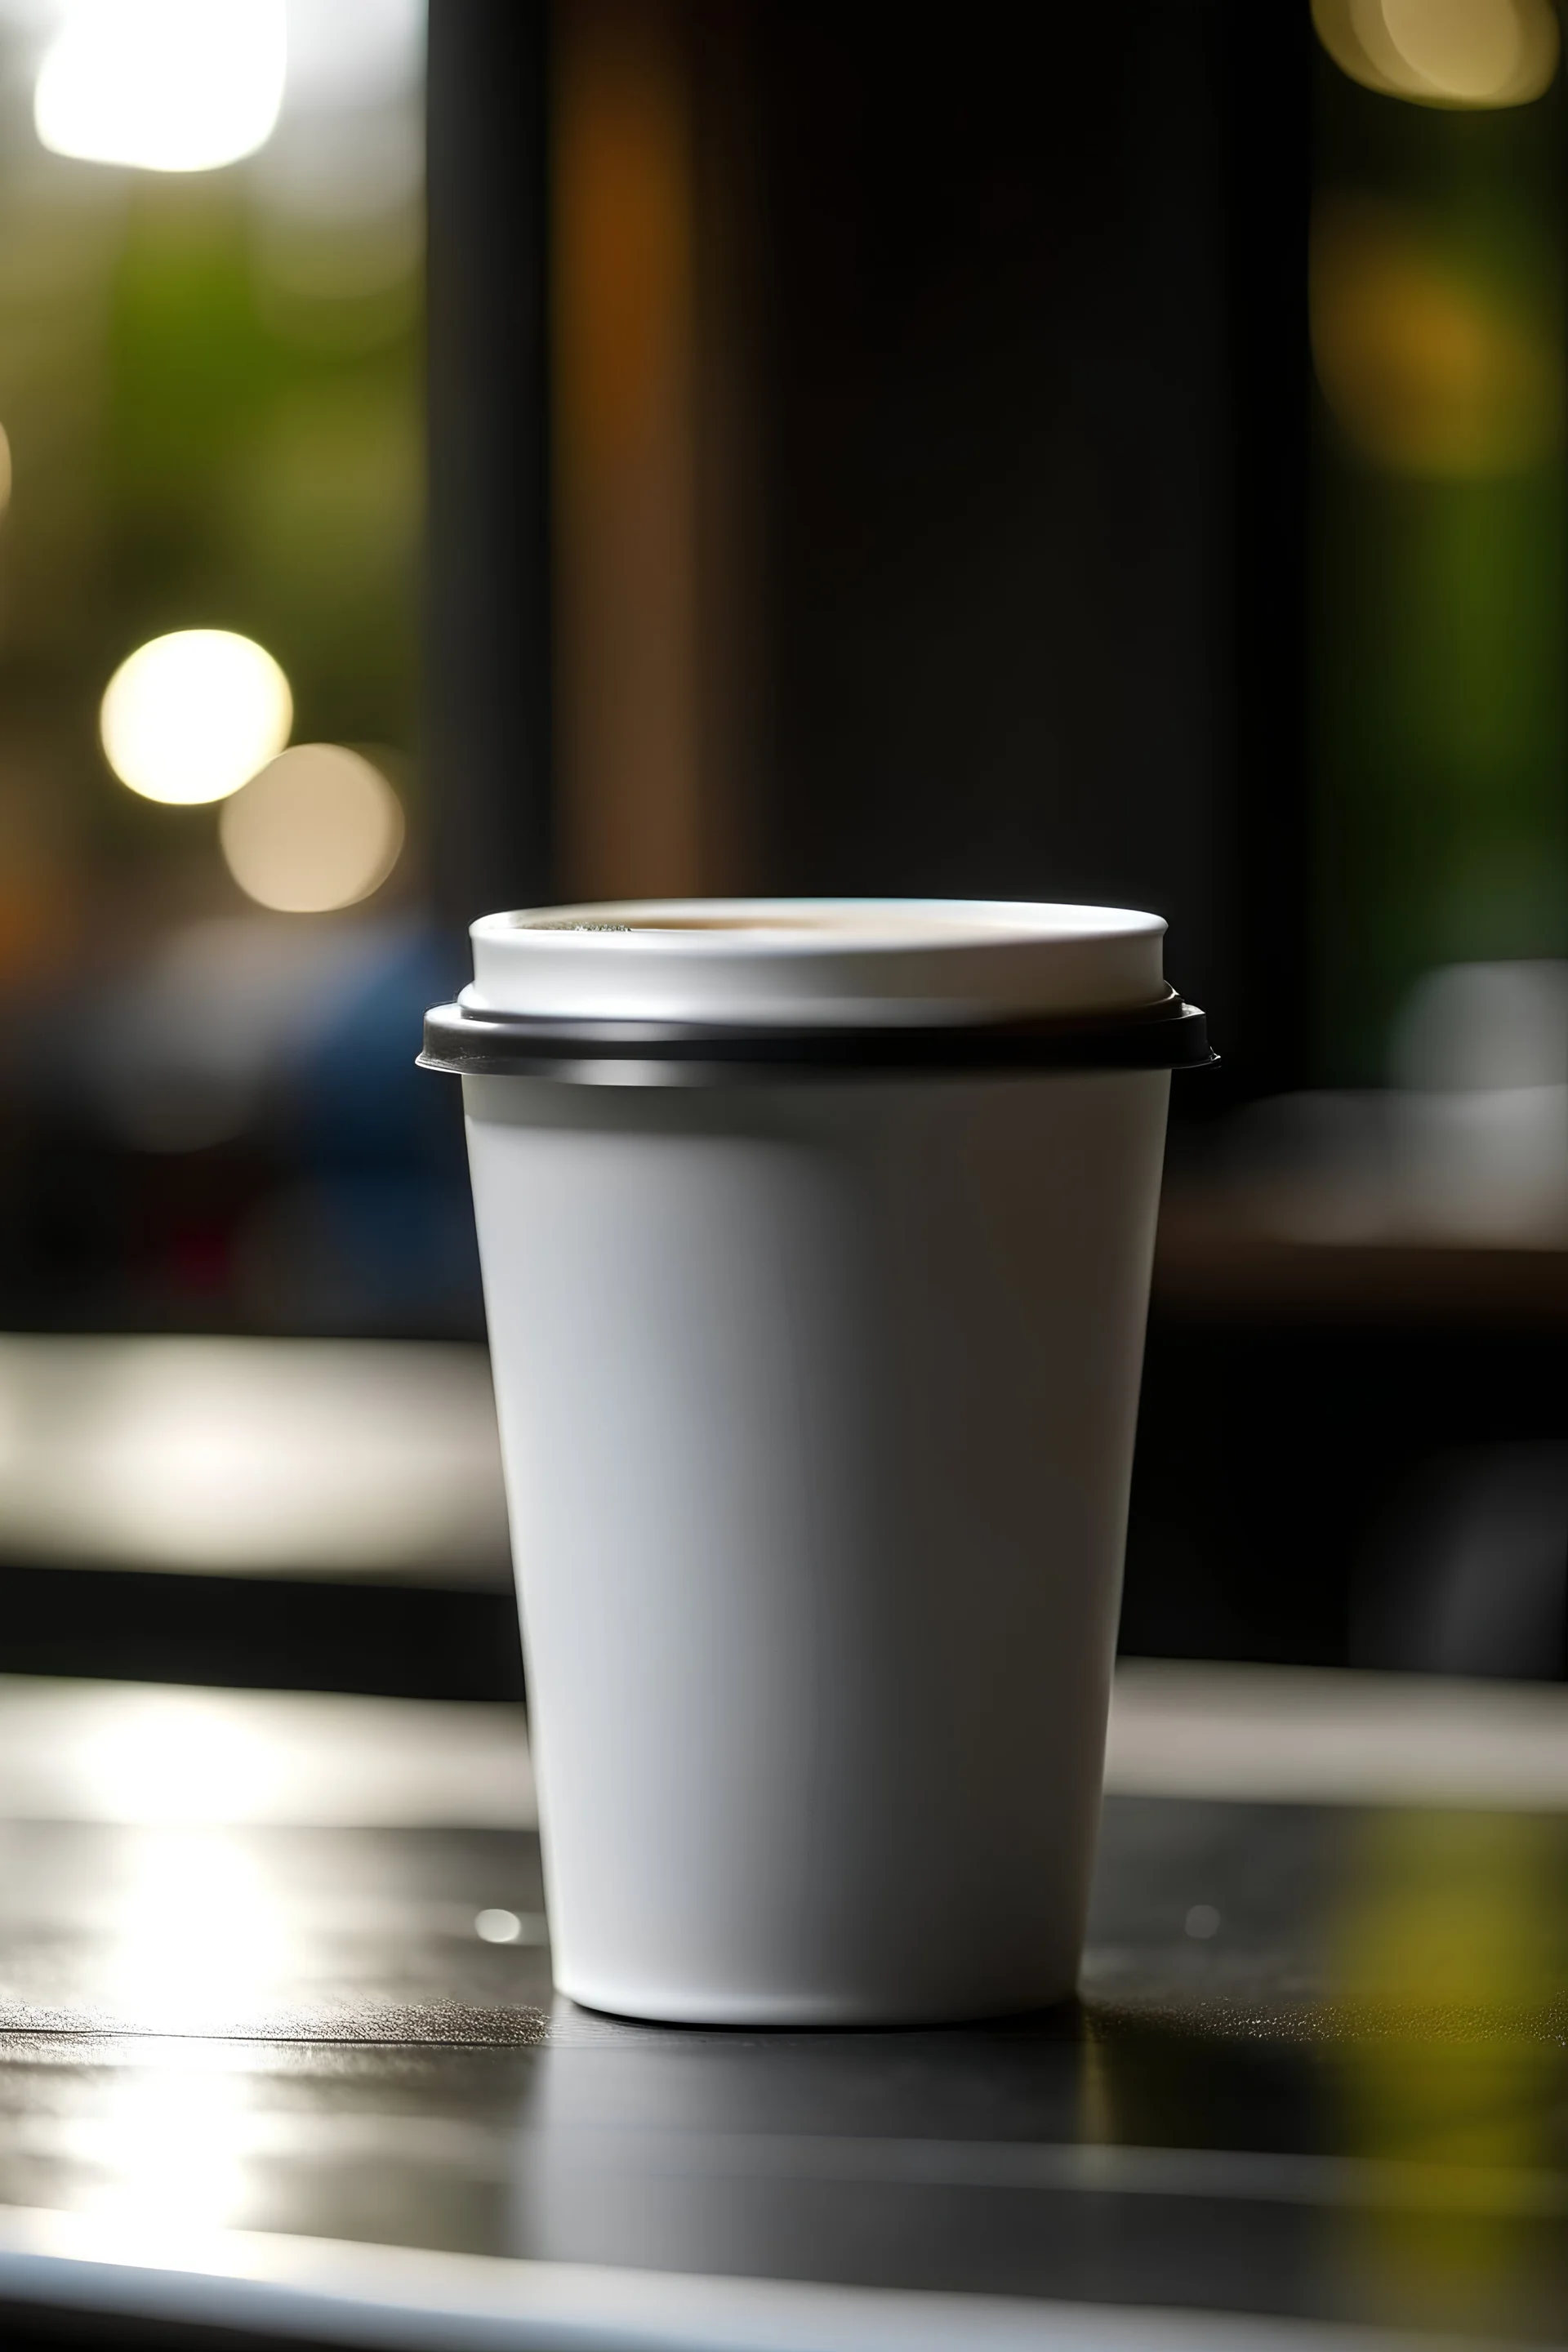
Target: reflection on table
<point>1317,2070</point>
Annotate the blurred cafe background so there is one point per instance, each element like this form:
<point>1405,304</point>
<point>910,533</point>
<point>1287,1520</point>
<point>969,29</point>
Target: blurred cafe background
<point>626,446</point>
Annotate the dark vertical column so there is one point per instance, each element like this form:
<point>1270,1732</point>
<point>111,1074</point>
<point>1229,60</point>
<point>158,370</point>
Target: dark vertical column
<point>488,727</point>
<point>999,493</point>
<point>1265,160</point>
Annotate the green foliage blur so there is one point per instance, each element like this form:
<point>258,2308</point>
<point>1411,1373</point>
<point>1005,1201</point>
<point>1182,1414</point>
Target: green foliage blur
<point>212,392</point>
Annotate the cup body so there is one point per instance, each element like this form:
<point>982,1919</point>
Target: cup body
<point>818,1397</point>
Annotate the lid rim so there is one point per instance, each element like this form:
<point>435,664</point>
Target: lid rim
<point>476,1041</point>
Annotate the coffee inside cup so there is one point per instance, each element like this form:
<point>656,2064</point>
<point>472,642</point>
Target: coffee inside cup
<point>695,923</point>
<point>853,917</point>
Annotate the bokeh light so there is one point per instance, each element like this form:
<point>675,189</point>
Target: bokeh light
<point>1453,53</point>
<point>1429,369</point>
<point>190,717</point>
<point>4,470</point>
<point>319,828</point>
<point>163,85</point>
<point>496,1926</point>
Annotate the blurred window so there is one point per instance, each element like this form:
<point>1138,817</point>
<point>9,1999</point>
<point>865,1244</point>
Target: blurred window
<point>213,936</point>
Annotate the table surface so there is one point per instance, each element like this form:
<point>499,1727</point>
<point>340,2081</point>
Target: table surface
<point>1317,2072</point>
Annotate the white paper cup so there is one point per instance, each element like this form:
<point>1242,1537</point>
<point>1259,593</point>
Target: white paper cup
<point>816,1240</point>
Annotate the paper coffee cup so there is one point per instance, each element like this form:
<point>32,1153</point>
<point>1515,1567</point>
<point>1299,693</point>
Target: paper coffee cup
<point>816,1240</point>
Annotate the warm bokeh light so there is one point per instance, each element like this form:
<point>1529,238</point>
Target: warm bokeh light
<point>190,717</point>
<point>319,828</point>
<point>164,85</point>
<point>4,470</point>
<point>1428,371</point>
<point>1466,49</point>
<point>1454,53</point>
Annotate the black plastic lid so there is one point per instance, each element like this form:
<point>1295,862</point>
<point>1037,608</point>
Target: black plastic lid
<point>474,1042</point>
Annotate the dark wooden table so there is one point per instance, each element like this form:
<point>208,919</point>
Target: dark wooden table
<point>275,2078</point>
